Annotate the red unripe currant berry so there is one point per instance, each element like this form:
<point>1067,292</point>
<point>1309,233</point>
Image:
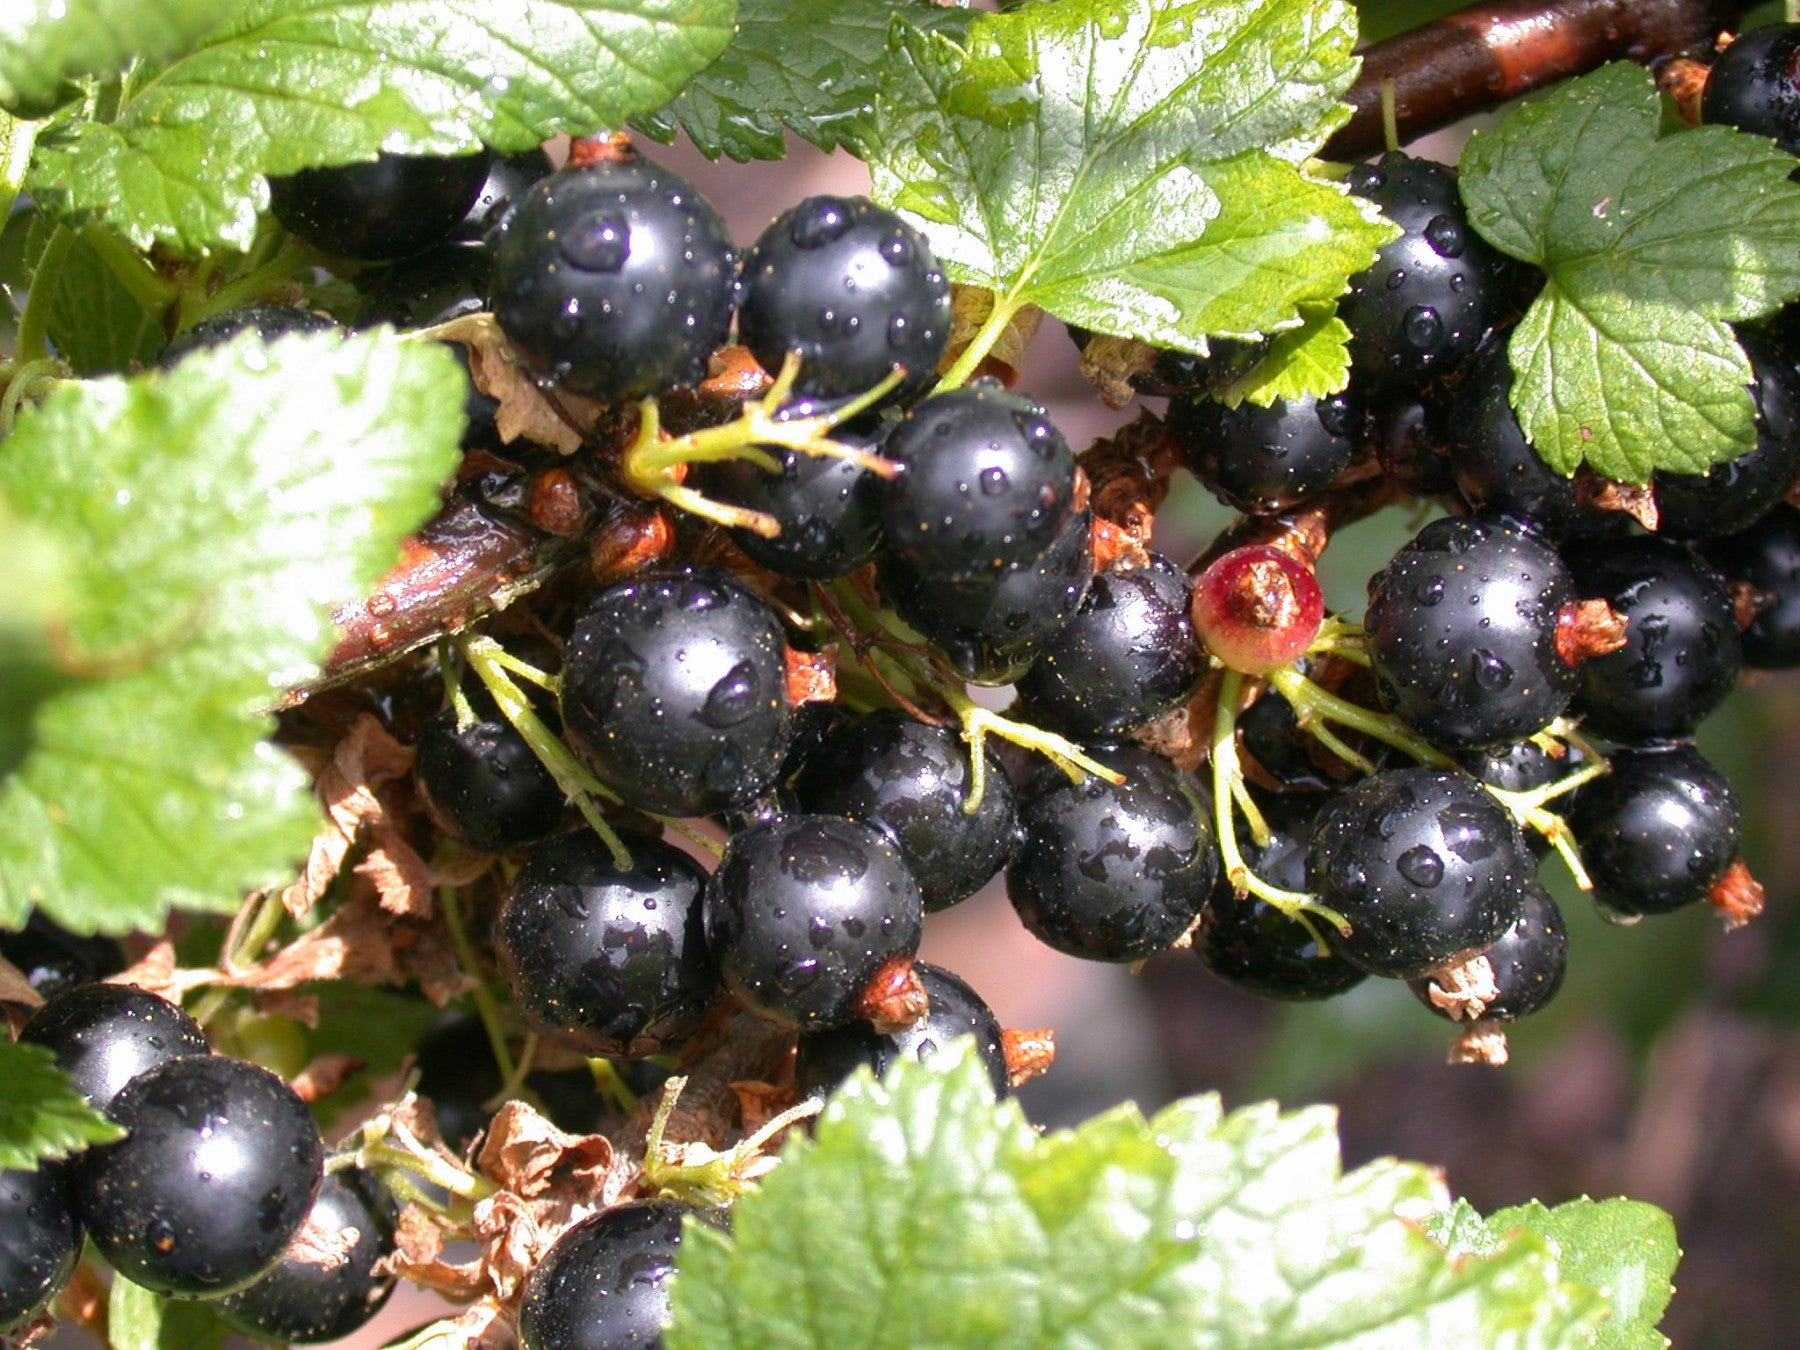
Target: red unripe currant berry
<point>1257,608</point>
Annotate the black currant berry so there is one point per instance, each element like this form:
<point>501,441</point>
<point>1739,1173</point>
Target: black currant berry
<point>1433,292</point>
<point>1128,656</point>
<point>849,286</point>
<point>1113,872</point>
<point>309,1301</point>
<point>804,912</point>
<point>1264,460</point>
<point>1767,557</point>
<point>827,1058</point>
<point>828,510</point>
<point>1520,767</point>
<point>613,960</point>
<point>986,485</point>
<point>1735,494</point>
<point>1253,945</point>
<point>1681,655</point>
<point>1462,627</point>
<point>1425,866</point>
<point>604,1284</point>
<point>674,692</point>
<point>53,959</point>
<point>911,781</point>
<point>106,1035</point>
<point>614,279</point>
<point>268,322</point>
<point>218,1169</point>
<point>1409,443</point>
<point>1754,85</point>
<point>1658,830</point>
<point>1495,468</point>
<point>990,629</point>
<point>384,208</point>
<point>1528,961</point>
<point>482,784</point>
<point>40,1241</point>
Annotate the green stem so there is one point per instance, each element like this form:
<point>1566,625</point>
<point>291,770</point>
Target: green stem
<point>252,938</point>
<point>1312,704</point>
<point>514,1086</point>
<point>978,723</point>
<point>577,784</point>
<point>1005,309</point>
<point>17,138</point>
<point>256,284</point>
<point>438,1171</point>
<point>486,1007</point>
<point>34,323</point>
<point>151,289</point>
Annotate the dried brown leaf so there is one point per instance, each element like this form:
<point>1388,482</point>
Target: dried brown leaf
<point>525,411</point>
<point>366,757</point>
<point>324,1075</point>
<point>15,989</point>
<point>525,1154</point>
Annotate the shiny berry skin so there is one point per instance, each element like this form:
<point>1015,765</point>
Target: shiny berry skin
<point>509,178</point>
<point>911,780</point>
<point>1113,872</point>
<point>1257,608</point>
<point>614,961</point>
<point>604,1284</point>
<point>1462,633</point>
<point>828,510</point>
<point>986,485</point>
<point>483,785</point>
<point>1495,468</point>
<point>1249,943</point>
<point>1264,460</point>
<point>218,1169</point>
<point>1129,655</point>
<point>991,628</point>
<point>305,1302</point>
<point>1658,830</point>
<point>675,693</point>
<point>614,279</point>
<point>53,959</point>
<point>1735,494</point>
<point>1425,866</point>
<point>852,288</point>
<point>1433,292</point>
<point>268,322</point>
<point>106,1035</point>
<point>827,1058</point>
<point>1528,961</point>
<point>1754,85</point>
<point>385,208</point>
<point>802,913</point>
<point>1767,557</point>
<point>40,1241</point>
<point>1681,655</point>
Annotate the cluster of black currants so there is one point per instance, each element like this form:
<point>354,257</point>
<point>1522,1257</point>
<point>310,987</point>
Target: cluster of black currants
<point>218,1189</point>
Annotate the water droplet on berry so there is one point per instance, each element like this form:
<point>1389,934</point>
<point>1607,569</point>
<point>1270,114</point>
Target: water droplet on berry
<point>1446,236</point>
<point>1421,866</point>
<point>600,241</point>
<point>817,221</point>
<point>1422,327</point>
<point>1490,672</point>
<point>993,482</point>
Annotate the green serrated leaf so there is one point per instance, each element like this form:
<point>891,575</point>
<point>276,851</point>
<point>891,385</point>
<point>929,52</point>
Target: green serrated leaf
<point>134,1317</point>
<point>920,1213</point>
<point>284,84</point>
<point>213,516</point>
<point>42,1116</point>
<point>1624,1248</point>
<point>1305,362</point>
<point>45,43</point>
<point>1132,168</point>
<point>806,66</point>
<point>1653,242</point>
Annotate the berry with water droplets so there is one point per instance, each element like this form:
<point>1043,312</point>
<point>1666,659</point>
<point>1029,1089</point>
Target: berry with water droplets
<point>482,784</point>
<point>1766,558</point>
<point>612,959</point>
<point>828,510</point>
<point>1754,85</point>
<point>804,912</point>
<point>614,279</point>
<point>849,286</point>
<point>1425,865</point>
<point>604,1284</point>
<point>384,208</point>
<point>1264,460</point>
<point>40,1240</point>
<point>1528,961</point>
<point>106,1035</point>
